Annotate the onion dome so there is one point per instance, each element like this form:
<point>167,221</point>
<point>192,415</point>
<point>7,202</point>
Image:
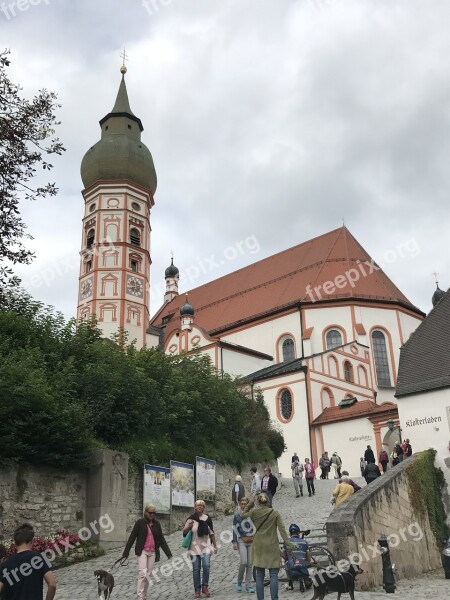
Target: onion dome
<point>438,294</point>
<point>187,309</point>
<point>172,271</point>
<point>120,153</point>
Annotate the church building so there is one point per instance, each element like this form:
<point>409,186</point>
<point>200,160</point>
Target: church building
<point>316,327</point>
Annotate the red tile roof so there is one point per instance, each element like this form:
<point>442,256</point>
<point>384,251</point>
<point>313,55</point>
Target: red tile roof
<point>282,280</point>
<point>365,408</point>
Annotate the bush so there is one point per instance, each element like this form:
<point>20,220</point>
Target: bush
<point>426,483</point>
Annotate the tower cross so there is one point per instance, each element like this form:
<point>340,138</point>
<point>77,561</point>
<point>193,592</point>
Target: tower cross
<point>124,57</point>
<point>435,273</point>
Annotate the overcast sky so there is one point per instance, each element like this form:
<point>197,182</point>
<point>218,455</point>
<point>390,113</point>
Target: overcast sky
<point>269,122</point>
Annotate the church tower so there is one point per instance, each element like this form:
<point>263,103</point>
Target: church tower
<point>120,181</point>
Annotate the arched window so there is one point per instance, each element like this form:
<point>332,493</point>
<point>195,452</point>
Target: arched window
<point>135,237</point>
<point>327,398</point>
<point>285,401</point>
<point>90,238</point>
<point>333,369</point>
<point>381,359</point>
<point>362,376</point>
<point>348,371</point>
<point>288,349</point>
<point>334,338</point>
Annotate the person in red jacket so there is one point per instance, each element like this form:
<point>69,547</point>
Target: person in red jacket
<point>310,475</point>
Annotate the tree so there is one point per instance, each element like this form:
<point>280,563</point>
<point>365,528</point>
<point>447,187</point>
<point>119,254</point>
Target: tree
<point>26,130</point>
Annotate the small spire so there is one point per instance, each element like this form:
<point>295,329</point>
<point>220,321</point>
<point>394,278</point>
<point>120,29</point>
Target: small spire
<point>435,273</point>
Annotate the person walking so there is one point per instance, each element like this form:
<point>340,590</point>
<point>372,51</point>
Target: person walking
<point>297,477</point>
<point>269,484</point>
<point>295,458</point>
<point>408,449</point>
<point>255,487</point>
<point>369,456</point>
<point>343,490</point>
<point>399,451</point>
<point>336,463</point>
<point>354,485</point>
<point>362,465</point>
<point>203,544</point>
<point>324,464</point>
<point>23,574</point>
<point>310,475</point>
<point>371,472</point>
<point>383,459</point>
<point>266,550</point>
<point>148,538</point>
<point>243,532</point>
<point>238,491</point>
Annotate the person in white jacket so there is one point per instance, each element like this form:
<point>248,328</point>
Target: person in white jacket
<point>255,487</point>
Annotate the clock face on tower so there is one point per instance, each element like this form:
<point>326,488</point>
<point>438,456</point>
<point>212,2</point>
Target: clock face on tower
<point>86,288</point>
<point>135,287</point>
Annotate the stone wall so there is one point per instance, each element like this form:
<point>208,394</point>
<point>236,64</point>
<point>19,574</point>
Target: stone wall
<point>383,507</point>
<point>51,498</point>
<point>48,498</point>
<point>224,480</point>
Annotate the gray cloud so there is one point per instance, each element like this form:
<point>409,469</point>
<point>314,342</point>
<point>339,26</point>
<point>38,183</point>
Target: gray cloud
<point>273,119</point>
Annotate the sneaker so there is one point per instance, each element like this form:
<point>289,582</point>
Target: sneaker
<point>297,496</point>
<point>249,589</point>
<point>239,587</point>
<point>197,595</point>
<point>205,591</point>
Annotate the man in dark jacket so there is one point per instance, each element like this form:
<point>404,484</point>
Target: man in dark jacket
<point>149,538</point>
<point>369,456</point>
<point>269,484</point>
<point>371,472</point>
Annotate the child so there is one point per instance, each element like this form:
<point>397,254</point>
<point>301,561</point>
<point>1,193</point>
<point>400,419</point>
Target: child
<point>298,559</point>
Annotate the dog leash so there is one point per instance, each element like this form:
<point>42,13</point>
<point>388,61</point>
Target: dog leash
<point>122,561</point>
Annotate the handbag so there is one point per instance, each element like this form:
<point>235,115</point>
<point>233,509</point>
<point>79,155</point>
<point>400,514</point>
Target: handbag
<point>187,540</point>
<point>247,538</point>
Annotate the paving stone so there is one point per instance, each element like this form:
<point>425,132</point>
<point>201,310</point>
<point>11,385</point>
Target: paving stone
<point>78,581</point>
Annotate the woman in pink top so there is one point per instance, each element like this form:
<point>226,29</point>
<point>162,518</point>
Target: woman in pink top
<point>310,475</point>
<point>148,538</point>
<point>202,545</point>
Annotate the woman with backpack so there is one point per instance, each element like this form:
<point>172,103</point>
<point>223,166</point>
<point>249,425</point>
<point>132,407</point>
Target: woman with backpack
<point>384,459</point>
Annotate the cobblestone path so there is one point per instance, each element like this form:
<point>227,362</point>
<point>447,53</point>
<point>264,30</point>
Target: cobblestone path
<point>78,583</point>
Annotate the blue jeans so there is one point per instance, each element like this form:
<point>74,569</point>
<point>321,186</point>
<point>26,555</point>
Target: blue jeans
<point>273,573</point>
<point>198,561</point>
<point>269,495</point>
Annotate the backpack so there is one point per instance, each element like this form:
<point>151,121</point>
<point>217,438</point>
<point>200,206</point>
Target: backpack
<point>384,456</point>
<point>295,564</point>
<point>408,450</point>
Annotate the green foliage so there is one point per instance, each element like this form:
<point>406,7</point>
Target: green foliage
<point>67,390</point>
<point>26,130</point>
<point>426,483</point>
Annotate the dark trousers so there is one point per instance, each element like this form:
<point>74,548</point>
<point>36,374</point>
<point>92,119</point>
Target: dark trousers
<point>384,464</point>
<point>310,484</point>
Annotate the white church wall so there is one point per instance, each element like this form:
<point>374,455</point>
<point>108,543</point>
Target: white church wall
<point>264,336</point>
<point>324,317</point>
<point>238,363</point>
<point>425,420</point>
<point>296,431</point>
<point>349,439</point>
